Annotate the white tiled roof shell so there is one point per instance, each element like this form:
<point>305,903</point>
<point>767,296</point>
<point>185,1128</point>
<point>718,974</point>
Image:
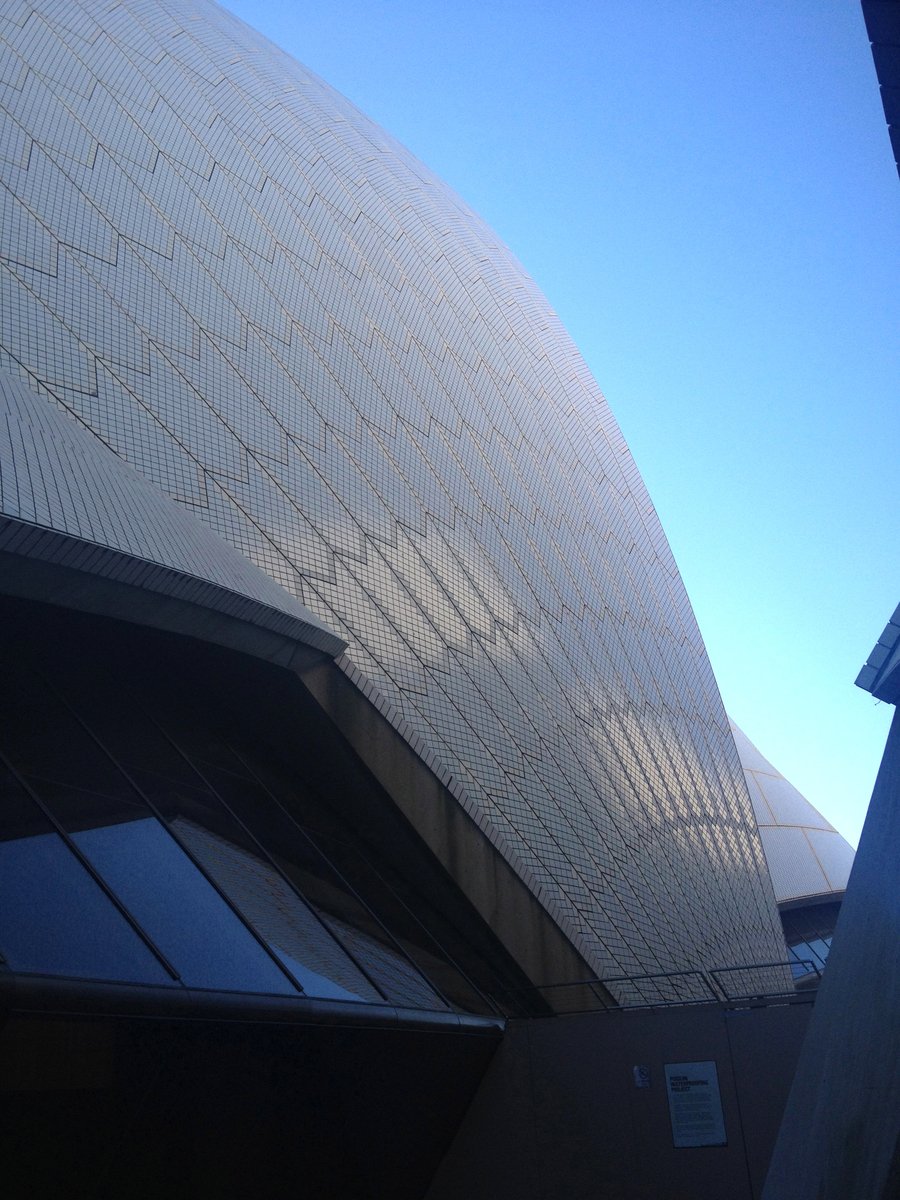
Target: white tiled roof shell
<point>806,855</point>
<point>66,498</point>
<point>288,325</point>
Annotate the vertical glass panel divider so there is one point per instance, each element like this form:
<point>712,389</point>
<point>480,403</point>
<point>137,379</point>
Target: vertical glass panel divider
<point>414,917</point>
<point>444,957</point>
<point>329,933</point>
<point>154,811</point>
<point>321,854</point>
<point>85,862</point>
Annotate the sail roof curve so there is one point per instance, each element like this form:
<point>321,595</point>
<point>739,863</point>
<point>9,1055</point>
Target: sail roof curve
<point>807,857</point>
<point>291,328</point>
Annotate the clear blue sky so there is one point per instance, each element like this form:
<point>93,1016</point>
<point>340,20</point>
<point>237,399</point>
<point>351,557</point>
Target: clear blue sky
<point>704,190</point>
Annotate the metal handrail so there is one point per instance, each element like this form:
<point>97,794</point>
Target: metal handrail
<point>715,972</point>
<point>710,988</point>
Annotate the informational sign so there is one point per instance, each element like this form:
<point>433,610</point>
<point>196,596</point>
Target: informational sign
<point>695,1107</point>
<point>641,1076</point>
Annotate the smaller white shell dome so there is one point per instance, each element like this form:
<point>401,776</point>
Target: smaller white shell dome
<point>806,855</point>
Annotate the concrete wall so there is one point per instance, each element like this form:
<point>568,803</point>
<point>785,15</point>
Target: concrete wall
<point>112,1106</point>
<point>841,1132</point>
<point>559,1115</point>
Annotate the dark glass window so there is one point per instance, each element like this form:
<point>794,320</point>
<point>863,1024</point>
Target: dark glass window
<point>253,882</point>
<point>169,804</point>
<point>278,915</point>
<point>396,975</point>
<point>808,931</point>
<point>122,743</point>
<point>412,937</point>
<point>334,898</point>
<point>805,953</point>
<point>55,920</point>
<point>180,910</point>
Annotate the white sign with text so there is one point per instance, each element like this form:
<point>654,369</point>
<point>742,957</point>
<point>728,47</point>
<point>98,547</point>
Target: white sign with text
<point>695,1107</point>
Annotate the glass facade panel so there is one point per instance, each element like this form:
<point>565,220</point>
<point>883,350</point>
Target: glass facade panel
<point>413,937</point>
<point>244,867</point>
<point>819,947</point>
<point>358,919</point>
<point>236,859</point>
<point>806,953</point>
<point>44,738</point>
<point>279,916</point>
<point>808,930</point>
<point>55,920</point>
<point>183,914</point>
<point>395,975</point>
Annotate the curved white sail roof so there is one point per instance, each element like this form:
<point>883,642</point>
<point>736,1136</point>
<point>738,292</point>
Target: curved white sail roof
<point>290,328</point>
<point>807,856</point>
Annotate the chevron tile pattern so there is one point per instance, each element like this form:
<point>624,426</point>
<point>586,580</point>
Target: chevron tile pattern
<point>289,326</point>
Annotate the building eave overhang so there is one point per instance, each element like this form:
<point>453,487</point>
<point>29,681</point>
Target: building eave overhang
<point>881,673</point>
